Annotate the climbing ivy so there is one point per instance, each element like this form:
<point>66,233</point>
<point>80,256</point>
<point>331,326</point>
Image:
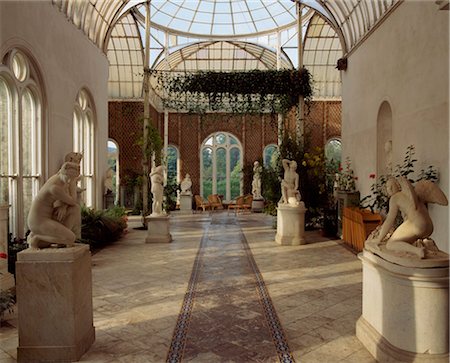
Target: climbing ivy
<point>256,91</point>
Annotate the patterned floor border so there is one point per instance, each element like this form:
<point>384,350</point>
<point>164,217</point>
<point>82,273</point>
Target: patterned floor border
<point>278,336</point>
<point>180,332</point>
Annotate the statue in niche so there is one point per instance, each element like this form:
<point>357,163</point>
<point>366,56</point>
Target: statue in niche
<point>186,185</point>
<point>108,183</point>
<point>54,210</point>
<point>256,183</point>
<point>157,189</point>
<point>289,185</point>
<point>411,237</point>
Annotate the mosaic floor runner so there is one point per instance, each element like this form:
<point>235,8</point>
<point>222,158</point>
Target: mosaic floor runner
<point>227,314</point>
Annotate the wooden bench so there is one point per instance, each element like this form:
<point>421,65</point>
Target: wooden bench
<point>357,224</point>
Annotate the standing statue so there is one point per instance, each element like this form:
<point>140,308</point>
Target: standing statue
<point>289,185</point>
<point>157,189</point>
<point>53,210</point>
<point>186,185</point>
<point>256,183</point>
<point>412,235</point>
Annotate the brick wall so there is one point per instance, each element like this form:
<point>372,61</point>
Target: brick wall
<point>187,132</point>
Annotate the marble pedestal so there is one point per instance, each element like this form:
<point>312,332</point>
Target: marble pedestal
<point>54,297</point>
<point>258,205</point>
<point>290,224</point>
<point>405,314</point>
<point>185,203</point>
<point>158,229</point>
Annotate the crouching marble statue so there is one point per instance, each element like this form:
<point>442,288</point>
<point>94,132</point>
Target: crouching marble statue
<point>291,210</point>
<point>54,213</point>
<point>54,285</point>
<point>405,281</point>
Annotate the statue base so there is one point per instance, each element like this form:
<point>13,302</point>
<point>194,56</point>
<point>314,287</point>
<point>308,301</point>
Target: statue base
<point>405,311</point>
<point>158,229</point>
<point>258,205</point>
<point>291,224</point>
<point>185,203</point>
<point>54,297</point>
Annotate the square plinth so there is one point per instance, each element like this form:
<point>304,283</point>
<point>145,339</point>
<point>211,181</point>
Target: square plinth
<point>54,297</point>
<point>158,229</point>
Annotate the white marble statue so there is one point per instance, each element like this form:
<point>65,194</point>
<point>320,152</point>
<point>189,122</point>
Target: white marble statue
<point>157,189</point>
<point>108,183</point>
<point>186,185</point>
<point>412,236</point>
<point>289,185</point>
<point>54,210</point>
<point>256,183</point>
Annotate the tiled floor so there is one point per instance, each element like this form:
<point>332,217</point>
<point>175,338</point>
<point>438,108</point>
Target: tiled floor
<point>139,289</point>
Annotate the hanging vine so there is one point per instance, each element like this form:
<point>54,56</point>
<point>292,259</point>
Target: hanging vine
<point>256,91</point>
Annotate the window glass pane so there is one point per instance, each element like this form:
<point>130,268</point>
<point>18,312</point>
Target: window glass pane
<point>233,140</point>
<point>207,171</point>
<point>221,168</point>
<point>19,67</point>
<point>220,139</point>
<point>172,157</point>
<point>270,156</point>
<point>235,172</point>
<point>27,199</point>
<point>333,151</point>
<point>28,122</point>
<point>113,155</point>
<point>5,114</point>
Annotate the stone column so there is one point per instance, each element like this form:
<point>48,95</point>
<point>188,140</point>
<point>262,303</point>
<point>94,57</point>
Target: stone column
<point>54,297</point>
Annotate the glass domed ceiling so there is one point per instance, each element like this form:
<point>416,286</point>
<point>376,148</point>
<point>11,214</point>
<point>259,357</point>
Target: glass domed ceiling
<point>222,17</point>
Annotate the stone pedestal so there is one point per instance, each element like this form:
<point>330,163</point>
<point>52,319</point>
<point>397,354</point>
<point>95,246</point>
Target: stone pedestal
<point>185,203</point>
<point>405,315</point>
<point>54,296</point>
<point>290,224</point>
<point>258,205</point>
<point>6,279</point>
<point>158,229</point>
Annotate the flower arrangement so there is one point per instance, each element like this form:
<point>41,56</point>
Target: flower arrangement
<point>345,179</point>
<point>378,200</point>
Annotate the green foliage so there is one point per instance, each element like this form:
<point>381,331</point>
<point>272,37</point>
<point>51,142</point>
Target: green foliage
<point>378,200</point>
<point>255,91</point>
<point>99,227</point>
<point>170,194</point>
<point>7,301</point>
<point>154,143</point>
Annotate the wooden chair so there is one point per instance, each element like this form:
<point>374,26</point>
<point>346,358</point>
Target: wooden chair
<point>200,203</point>
<point>236,205</point>
<point>248,200</point>
<point>215,202</point>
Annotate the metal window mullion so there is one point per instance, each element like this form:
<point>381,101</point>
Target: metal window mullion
<point>18,198</point>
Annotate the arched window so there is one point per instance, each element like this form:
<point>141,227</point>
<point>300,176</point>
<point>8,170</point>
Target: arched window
<point>20,137</point>
<point>113,164</point>
<point>333,151</point>
<point>83,142</point>
<point>173,169</point>
<point>221,166</point>
<point>270,156</point>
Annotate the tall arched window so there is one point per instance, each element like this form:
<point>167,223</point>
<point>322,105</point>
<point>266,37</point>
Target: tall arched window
<point>173,164</point>
<point>113,164</point>
<point>83,142</point>
<point>270,156</point>
<point>333,151</point>
<point>20,136</point>
<point>221,166</point>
